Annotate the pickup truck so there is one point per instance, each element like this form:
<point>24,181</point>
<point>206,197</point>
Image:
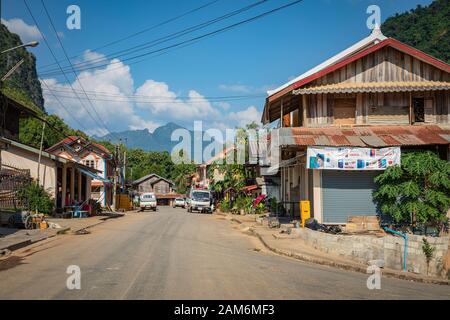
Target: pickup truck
<point>201,201</point>
<point>148,201</point>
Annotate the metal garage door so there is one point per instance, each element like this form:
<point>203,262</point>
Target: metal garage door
<point>347,193</point>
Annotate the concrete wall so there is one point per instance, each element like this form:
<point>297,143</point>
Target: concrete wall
<point>388,248</point>
<point>24,159</point>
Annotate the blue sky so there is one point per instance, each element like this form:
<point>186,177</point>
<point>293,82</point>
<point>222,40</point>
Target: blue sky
<point>176,86</point>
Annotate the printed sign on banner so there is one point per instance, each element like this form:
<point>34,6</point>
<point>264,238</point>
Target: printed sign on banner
<point>329,158</point>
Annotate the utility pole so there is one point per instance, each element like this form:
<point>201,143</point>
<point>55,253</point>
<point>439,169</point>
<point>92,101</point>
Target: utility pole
<point>40,153</point>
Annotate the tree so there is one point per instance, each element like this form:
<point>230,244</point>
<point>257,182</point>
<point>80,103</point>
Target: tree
<point>425,28</point>
<point>418,191</point>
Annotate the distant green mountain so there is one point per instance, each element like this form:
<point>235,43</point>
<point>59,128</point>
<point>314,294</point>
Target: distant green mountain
<point>25,78</point>
<point>425,28</point>
<point>159,140</point>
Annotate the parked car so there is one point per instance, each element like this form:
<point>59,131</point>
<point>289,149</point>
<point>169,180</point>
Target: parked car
<point>179,202</point>
<point>200,200</point>
<point>148,201</point>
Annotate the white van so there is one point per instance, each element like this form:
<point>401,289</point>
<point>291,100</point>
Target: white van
<point>200,200</point>
<point>148,201</point>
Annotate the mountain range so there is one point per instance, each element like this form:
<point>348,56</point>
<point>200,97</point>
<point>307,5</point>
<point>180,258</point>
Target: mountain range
<point>158,140</point>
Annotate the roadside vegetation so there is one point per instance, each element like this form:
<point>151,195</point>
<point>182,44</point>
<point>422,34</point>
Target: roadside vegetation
<point>417,193</point>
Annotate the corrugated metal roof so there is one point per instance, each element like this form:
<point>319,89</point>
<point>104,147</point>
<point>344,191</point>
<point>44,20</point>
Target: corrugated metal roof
<point>377,136</point>
<point>364,87</point>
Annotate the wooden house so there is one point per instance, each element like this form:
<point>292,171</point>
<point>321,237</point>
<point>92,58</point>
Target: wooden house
<point>377,94</point>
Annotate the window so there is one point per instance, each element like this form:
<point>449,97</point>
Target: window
<point>419,109</point>
<point>89,163</point>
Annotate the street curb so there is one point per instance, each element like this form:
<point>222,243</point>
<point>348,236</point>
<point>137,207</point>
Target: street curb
<point>24,243</point>
<point>342,266</point>
<point>347,267</point>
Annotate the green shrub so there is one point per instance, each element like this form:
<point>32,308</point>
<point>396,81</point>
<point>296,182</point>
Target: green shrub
<point>260,208</point>
<point>224,206</point>
<point>417,191</point>
<point>244,203</point>
<point>37,198</point>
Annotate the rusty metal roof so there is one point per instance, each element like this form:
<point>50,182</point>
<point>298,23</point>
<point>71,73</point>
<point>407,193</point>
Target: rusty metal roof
<point>375,136</point>
<point>364,87</point>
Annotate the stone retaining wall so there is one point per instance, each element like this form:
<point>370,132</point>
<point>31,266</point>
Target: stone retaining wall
<point>388,248</point>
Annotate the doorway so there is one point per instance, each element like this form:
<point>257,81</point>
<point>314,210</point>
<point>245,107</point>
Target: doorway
<point>419,109</point>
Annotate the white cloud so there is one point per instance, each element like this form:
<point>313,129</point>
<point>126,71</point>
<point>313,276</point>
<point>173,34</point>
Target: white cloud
<point>25,31</point>
<point>154,103</point>
<point>247,116</point>
<point>245,89</point>
<point>108,92</point>
<point>167,103</point>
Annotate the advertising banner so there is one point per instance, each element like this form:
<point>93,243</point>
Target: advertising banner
<point>332,158</point>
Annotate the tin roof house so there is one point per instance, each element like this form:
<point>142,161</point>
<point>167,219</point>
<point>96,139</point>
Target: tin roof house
<point>346,119</point>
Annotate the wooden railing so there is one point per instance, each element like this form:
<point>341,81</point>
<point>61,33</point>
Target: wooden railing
<point>12,180</point>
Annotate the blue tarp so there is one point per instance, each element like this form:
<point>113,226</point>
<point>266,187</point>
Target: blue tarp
<point>93,175</point>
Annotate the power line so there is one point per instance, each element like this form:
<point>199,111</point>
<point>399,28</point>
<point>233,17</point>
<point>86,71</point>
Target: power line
<point>54,57</point>
<point>177,101</point>
<point>145,30</point>
<point>73,69</point>
<point>194,39</point>
<point>108,94</point>
<point>166,38</point>
<point>62,105</point>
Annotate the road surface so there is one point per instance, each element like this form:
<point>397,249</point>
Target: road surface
<point>172,254</point>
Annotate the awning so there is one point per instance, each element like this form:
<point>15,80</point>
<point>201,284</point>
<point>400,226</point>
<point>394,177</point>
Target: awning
<point>250,188</point>
<point>376,136</point>
<point>366,87</point>
<point>93,175</point>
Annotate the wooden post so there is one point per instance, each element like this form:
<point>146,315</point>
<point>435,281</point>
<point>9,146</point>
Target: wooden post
<point>64,186</point>
<point>281,109</point>
<point>72,184</point>
<point>305,113</point>
<point>411,116</point>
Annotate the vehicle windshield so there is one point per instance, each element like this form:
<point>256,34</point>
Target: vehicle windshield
<point>200,196</point>
<point>148,197</point>
<point>179,199</point>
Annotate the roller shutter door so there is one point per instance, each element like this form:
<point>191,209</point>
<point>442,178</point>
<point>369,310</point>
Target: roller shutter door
<point>347,193</point>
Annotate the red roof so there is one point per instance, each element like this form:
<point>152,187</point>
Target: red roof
<point>379,136</point>
<point>388,42</point>
<point>71,139</point>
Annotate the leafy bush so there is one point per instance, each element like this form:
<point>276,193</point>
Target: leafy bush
<point>276,207</point>
<point>37,198</point>
<point>244,203</point>
<point>225,206</point>
<point>260,208</point>
<point>416,191</point>
<point>428,251</point>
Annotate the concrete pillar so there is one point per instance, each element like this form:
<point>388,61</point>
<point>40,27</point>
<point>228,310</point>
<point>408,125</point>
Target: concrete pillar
<point>72,184</point>
<point>317,190</point>
<point>88,187</point>
<point>79,183</point>
<point>64,186</point>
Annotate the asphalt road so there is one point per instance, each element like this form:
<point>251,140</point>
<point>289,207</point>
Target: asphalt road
<point>172,254</point>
